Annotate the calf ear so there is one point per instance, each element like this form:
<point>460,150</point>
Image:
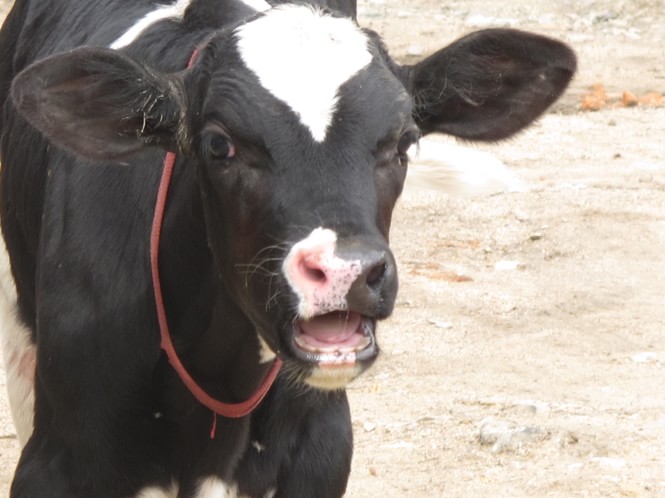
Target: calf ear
<point>99,104</point>
<point>489,84</point>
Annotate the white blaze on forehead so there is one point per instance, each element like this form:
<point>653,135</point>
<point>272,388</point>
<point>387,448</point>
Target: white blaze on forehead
<point>173,11</point>
<point>302,56</point>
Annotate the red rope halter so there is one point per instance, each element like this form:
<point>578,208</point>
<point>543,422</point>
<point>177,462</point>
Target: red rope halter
<point>229,410</point>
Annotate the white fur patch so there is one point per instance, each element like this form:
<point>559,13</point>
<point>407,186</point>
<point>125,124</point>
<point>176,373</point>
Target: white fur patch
<point>213,487</point>
<point>18,354</point>
<point>258,447</point>
<point>316,299</point>
<point>333,378</point>
<point>319,236</point>
<point>265,353</point>
<point>176,10</point>
<point>257,5</point>
<point>155,492</point>
<point>302,56</point>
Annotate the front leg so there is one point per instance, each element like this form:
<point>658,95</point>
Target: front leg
<point>301,445</point>
<point>321,463</point>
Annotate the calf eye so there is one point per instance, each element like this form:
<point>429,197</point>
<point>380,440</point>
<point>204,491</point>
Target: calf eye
<point>218,147</point>
<point>406,141</point>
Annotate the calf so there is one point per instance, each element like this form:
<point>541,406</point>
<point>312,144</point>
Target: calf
<point>152,341</point>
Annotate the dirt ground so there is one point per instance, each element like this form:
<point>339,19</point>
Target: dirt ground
<point>526,355</point>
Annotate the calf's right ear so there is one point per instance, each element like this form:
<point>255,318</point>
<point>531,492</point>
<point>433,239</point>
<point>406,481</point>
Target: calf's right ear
<point>100,104</point>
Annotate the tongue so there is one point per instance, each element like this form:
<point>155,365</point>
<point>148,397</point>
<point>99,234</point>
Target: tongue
<point>333,328</point>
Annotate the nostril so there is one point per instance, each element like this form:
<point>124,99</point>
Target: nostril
<point>312,273</point>
<point>375,275</point>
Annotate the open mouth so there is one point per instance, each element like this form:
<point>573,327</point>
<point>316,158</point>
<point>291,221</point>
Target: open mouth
<point>336,338</point>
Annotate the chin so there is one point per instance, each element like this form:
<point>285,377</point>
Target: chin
<point>332,378</point>
<point>329,351</point>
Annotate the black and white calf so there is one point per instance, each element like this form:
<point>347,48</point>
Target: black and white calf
<point>288,128</point>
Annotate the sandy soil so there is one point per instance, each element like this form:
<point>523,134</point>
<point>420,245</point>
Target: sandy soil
<point>525,356</point>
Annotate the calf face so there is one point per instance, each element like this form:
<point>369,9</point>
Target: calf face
<point>298,124</point>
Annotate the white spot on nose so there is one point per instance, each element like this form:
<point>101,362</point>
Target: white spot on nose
<point>319,278</point>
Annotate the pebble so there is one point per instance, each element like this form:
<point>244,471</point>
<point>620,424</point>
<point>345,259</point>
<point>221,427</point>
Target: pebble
<point>415,50</point>
<point>508,265</point>
<point>505,435</point>
<point>613,463</point>
<point>440,323</point>
<point>480,20</point>
<point>369,426</point>
<point>645,357</point>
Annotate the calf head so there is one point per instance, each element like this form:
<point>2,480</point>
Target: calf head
<point>298,124</point>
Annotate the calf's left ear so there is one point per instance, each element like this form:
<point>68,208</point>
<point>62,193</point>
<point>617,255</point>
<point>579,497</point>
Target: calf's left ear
<point>490,84</point>
<point>99,103</point>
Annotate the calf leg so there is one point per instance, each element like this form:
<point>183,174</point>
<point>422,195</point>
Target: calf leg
<point>301,445</point>
<point>321,462</point>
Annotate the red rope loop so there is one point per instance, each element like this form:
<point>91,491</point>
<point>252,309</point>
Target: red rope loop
<point>229,410</point>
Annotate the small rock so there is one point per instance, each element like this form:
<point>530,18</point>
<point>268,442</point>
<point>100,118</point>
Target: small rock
<point>605,17</point>
<point>440,323</point>
<point>645,357</point>
<point>508,265</point>
<point>652,99</point>
<point>415,51</point>
<point>480,20</point>
<point>568,439</point>
<point>536,236</point>
<point>612,463</point>
<point>630,489</point>
<point>521,216</point>
<point>595,99</point>
<point>400,444</point>
<point>629,99</point>
<point>505,435</point>
<point>369,426</point>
